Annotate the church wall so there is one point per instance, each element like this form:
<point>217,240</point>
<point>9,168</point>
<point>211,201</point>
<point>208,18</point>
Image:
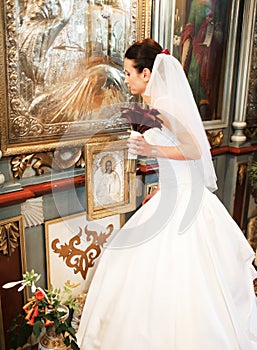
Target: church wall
<point>231,161</point>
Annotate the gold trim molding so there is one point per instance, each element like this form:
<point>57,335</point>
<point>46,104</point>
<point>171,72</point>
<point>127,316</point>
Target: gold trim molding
<point>144,24</point>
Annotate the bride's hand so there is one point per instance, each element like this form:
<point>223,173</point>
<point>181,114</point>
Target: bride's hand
<point>138,146</point>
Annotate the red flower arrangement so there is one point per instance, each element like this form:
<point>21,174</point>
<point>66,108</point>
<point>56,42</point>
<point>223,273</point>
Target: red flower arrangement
<point>45,308</point>
<point>141,119</point>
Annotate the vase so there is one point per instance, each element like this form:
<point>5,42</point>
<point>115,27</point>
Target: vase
<point>52,341</point>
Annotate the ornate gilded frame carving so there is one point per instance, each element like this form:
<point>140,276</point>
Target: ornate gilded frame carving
<point>12,237</point>
<point>26,129</point>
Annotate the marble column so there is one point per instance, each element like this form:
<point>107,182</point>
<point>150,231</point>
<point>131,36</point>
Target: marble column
<point>239,122</point>
<point>163,12</point>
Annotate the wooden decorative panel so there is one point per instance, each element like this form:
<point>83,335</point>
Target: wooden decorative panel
<point>12,266</point>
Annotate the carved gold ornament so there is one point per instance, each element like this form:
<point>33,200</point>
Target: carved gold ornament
<point>241,173</point>
<point>215,138</point>
<point>9,238</point>
<point>60,159</point>
<point>81,260</point>
<point>10,235</point>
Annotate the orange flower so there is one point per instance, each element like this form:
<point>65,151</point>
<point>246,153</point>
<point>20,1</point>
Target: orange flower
<point>29,314</point>
<point>35,313</point>
<point>39,295</point>
<point>26,306</point>
<point>31,322</point>
<point>48,323</point>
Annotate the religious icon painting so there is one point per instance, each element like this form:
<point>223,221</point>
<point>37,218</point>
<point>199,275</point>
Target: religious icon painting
<point>50,52</point>
<point>203,38</point>
<point>110,189</point>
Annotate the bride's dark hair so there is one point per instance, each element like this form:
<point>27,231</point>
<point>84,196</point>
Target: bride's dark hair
<point>143,52</point>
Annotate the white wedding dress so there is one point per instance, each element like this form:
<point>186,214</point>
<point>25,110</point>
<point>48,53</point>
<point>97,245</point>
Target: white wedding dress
<point>178,275</point>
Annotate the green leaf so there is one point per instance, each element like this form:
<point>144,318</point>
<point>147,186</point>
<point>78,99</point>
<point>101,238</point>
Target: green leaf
<point>19,332</point>
<point>37,328</point>
<point>66,341</point>
<point>71,330</point>
<point>61,328</point>
<point>74,345</point>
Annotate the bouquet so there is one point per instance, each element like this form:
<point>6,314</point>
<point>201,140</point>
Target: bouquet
<point>140,120</point>
<point>44,309</point>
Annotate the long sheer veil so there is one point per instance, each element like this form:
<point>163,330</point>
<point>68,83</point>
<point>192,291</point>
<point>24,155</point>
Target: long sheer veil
<point>170,92</point>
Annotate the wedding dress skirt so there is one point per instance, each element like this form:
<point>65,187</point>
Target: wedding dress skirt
<point>177,276</point>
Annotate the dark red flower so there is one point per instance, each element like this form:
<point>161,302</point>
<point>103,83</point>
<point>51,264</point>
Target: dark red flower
<point>141,119</point>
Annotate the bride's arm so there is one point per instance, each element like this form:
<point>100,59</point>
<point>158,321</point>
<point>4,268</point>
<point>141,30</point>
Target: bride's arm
<point>187,150</point>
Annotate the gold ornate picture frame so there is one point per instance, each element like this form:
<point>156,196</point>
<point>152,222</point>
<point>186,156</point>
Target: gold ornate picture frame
<point>85,240</point>
<point>55,62</point>
<point>110,189</point>
<point>202,35</point>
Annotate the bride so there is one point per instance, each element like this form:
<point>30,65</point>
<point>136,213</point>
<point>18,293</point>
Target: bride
<point>178,275</point>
